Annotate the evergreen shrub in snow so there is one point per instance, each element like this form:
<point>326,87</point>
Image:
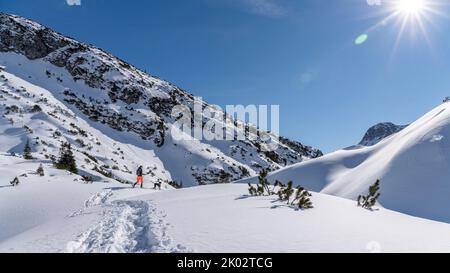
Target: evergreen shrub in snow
<point>263,187</point>
<point>298,197</point>
<point>15,182</point>
<point>66,159</point>
<point>370,200</point>
<point>40,170</point>
<point>27,151</point>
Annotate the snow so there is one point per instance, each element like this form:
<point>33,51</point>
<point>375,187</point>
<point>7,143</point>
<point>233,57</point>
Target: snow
<point>215,218</point>
<point>37,199</point>
<point>58,212</point>
<point>413,166</point>
<point>51,213</point>
<point>106,145</point>
<point>125,227</point>
<point>136,151</point>
<point>220,218</point>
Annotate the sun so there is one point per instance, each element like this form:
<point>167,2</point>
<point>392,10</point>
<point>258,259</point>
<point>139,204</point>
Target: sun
<point>412,16</point>
<point>411,7</point>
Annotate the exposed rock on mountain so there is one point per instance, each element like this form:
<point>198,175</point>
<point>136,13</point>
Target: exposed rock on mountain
<point>379,132</point>
<point>102,94</point>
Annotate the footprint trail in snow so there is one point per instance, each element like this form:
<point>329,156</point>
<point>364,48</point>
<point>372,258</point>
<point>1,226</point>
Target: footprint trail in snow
<point>126,226</point>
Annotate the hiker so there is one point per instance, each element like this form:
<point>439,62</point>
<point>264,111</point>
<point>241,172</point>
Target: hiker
<point>140,178</point>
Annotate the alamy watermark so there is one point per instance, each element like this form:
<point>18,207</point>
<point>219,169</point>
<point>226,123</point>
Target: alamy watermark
<point>236,122</point>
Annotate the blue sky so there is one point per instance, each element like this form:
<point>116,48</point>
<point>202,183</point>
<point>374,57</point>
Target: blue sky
<point>298,54</point>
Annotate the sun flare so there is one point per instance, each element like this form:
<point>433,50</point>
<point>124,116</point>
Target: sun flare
<point>413,16</point>
<point>411,7</point>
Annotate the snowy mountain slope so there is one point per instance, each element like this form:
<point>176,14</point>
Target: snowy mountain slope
<point>215,218</point>
<point>126,106</point>
<point>31,113</point>
<point>44,214</point>
<point>38,200</point>
<point>379,132</point>
<point>413,165</point>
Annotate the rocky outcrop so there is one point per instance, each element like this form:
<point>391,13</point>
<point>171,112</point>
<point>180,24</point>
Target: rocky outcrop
<point>379,132</point>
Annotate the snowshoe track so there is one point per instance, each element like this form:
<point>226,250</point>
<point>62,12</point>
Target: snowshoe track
<point>97,199</point>
<point>127,226</point>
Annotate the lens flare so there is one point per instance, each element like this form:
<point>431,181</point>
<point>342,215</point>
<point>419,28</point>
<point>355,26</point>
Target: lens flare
<point>411,7</point>
<point>413,16</point>
<point>361,39</point>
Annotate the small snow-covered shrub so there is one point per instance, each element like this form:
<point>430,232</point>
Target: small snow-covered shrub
<point>28,129</point>
<point>80,142</point>
<point>40,170</point>
<point>285,192</point>
<point>35,109</point>
<point>262,188</point>
<point>175,184</point>
<point>15,182</point>
<point>103,172</point>
<point>57,134</point>
<point>370,200</point>
<point>27,151</point>
<point>91,157</point>
<point>244,171</point>
<point>302,199</point>
<point>13,109</point>
<point>87,179</point>
<point>298,197</point>
<point>301,195</point>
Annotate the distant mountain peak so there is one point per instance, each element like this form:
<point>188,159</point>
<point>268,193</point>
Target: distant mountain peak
<point>379,132</point>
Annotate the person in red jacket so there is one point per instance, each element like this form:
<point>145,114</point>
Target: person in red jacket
<point>140,178</point>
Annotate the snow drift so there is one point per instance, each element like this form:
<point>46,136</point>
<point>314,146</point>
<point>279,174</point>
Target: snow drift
<point>413,165</point>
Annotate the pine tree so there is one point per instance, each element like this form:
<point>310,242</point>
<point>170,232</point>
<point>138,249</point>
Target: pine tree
<point>263,188</point>
<point>285,193</point>
<point>66,159</point>
<point>27,151</point>
<point>264,183</point>
<point>260,190</point>
<point>279,184</point>
<point>252,190</point>
<point>370,200</point>
<point>302,198</point>
<point>40,170</point>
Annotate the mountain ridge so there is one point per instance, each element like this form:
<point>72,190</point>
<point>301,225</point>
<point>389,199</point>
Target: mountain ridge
<point>109,93</point>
